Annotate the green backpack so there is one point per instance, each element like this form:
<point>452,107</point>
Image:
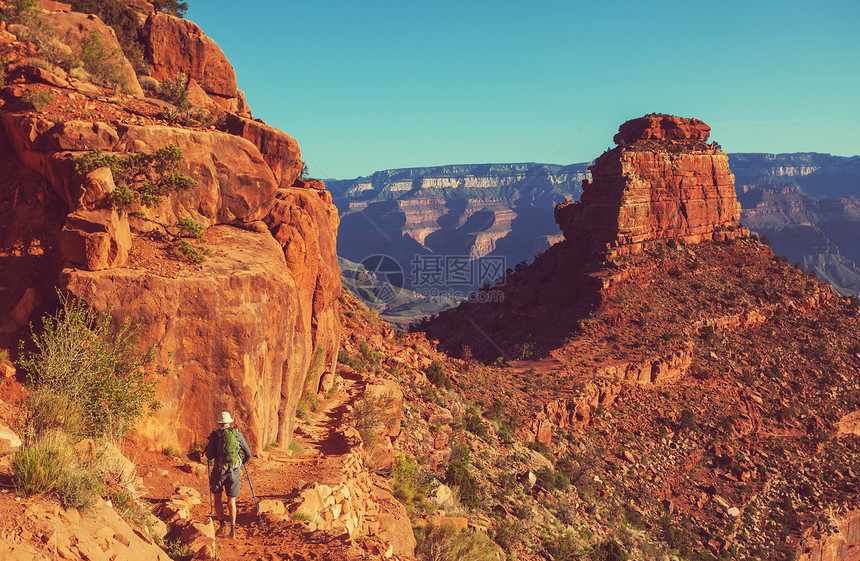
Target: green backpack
<point>228,457</point>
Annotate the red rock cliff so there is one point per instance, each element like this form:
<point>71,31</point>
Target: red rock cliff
<point>248,329</point>
<point>662,181</point>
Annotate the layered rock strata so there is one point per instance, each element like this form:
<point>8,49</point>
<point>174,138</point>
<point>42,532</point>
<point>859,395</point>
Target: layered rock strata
<point>661,182</point>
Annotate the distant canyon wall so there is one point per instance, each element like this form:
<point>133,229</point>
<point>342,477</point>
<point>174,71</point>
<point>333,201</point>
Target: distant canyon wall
<point>458,210</point>
<point>806,203</point>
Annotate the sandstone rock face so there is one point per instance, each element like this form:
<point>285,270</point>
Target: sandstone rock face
<point>304,223</point>
<point>843,545</point>
<point>663,182</point>
<point>661,127</point>
<point>74,27</point>
<point>280,151</point>
<point>175,46</point>
<point>230,331</point>
<point>239,332</point>
<point>234,184</point>
<point>99,534</point>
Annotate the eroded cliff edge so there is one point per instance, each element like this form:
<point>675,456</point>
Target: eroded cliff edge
<point>250,328</point>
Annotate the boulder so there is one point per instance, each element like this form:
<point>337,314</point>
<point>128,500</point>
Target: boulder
<point>29,73</point>
<point>82,136</point>
<point>95,186</point>
<point>271,506</point>
<point>234,184</point>
<point>396,529</point>
<point>175,46</point>
<point>96,239</point>
<point>24,308</point>
<point>9,440</point>
<point>280,151</point>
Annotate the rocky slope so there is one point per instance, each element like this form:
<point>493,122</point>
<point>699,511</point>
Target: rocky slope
<point>699,394</point>
<point>242,329</point>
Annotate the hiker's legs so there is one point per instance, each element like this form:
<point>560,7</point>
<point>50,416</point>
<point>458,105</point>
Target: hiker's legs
<point>232,502</point>
<point>219,507</point>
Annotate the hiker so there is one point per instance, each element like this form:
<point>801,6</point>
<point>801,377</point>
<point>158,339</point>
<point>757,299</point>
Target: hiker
<point>228,448</point>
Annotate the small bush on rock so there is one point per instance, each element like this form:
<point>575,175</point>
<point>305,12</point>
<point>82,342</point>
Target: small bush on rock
<point>104,67</point>
<point>370,415</point>
<point>44,411</point>
<point>141,177</point>
<point>81,358</point>
<point>436,375</point>
<point>446,541</point>
<point>37,100</point>
<point>79,487</point>
<point>174,90</point>
<point>38,468</point>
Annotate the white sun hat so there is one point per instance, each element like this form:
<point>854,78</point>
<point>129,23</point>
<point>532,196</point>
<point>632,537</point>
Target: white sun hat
<point>225,418</point>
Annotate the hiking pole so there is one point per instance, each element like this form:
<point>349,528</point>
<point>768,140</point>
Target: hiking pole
<point>255,496</point>
<point>209,485</point>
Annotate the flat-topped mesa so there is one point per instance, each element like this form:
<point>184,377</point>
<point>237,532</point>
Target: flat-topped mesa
<point>662,182</point>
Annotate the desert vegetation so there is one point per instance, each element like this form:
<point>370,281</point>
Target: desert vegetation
<point>89,383</point>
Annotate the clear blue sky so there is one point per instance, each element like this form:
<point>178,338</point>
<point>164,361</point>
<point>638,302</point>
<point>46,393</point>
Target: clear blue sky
<point>370,85</point>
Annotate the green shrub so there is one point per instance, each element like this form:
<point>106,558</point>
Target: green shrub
<point>296,447</point>
<point>411,486</point>
<point>44,412</point>
<point>187,252</point>
<point>436,375</point>
<point>125,23</point>
<point>446,541</point>
<point>175,90</point>
<point>610,550</point>
<point>564,547</point>
<point>176,550</point>
<point>79,487</point>
<point>370,415</point>
<point>105,67</point>
<point>132,509</point>
<point>37,100</point>
<point>188,228</point>
<point>458,474</point>
<point>176,8</point>
<point>22,11</point>
<point>140,177</point>
<point>80,357</point>
<point>550,479</point>
<point>40,467</point>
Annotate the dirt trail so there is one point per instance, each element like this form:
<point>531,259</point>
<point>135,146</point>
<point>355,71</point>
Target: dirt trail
<point>281,477</point>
